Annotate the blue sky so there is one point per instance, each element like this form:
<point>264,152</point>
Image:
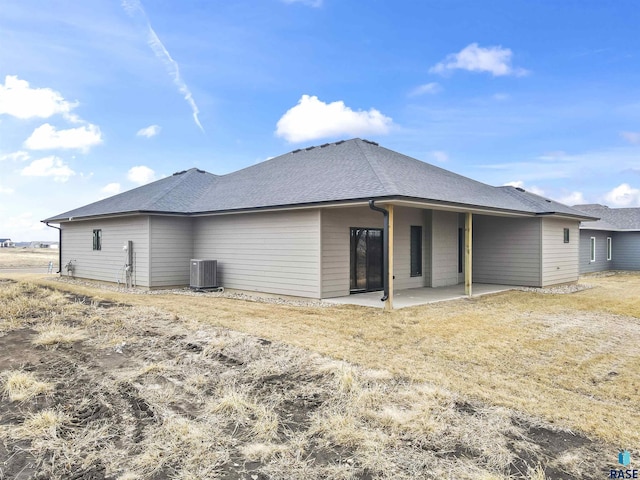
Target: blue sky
<point>99,97</point>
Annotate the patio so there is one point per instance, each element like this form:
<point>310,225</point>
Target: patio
<point>417,296</point>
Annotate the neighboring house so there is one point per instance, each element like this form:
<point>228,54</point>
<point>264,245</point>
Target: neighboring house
<point>6,243</point>
<point>301,224</point>
<point>39,245</point>
<point>611,243</point>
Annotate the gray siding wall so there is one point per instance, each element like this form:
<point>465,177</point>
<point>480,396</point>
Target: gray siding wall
<point>601,263</point>
<point>444,248</point>
<point>171,246</point>
<point>272,252</point>
<point>559,259</point>
<point>336,224</point>
<point>626,250</point>
<point>506,251</point>
<point>404,218</point>
<point>107,264</point>
<point>427,246</point>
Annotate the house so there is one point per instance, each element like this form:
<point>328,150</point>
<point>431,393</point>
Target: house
<point>309,223</point>
<point>6,243</point>
<point>39,244</point>
<point>611,243</point>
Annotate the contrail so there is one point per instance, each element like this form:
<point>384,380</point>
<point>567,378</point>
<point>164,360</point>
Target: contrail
<point>133,7</point>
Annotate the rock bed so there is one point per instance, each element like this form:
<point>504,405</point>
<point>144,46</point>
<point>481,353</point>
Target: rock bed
<point>559,290</point>
<point>197,293</point>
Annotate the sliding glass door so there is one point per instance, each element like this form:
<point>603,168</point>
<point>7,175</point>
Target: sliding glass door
<point>366,259</point>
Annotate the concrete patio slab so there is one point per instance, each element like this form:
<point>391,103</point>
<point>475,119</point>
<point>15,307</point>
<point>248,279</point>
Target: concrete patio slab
<point>417,296</point>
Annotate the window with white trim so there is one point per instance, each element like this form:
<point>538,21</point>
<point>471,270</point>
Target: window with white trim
<point>608,248</point>
<point>593,249</point>
<point>97,239</point>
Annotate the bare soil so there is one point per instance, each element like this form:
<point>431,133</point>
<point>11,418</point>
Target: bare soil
<point>139,392</point>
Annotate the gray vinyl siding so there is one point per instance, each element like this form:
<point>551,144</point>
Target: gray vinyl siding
<point>506,250</point>
<point>444,248</point>
<point>626,250</point>
<point>271,252</point>
<point>336,224</point>
<point>601,264</point>
<point>559,259</point>
<point>427,246</point>
<point>107,264</point>
<point>404,218</point>
<point>171,246</point>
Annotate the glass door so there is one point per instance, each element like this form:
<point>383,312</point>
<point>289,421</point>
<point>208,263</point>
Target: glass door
<point>366,259</point>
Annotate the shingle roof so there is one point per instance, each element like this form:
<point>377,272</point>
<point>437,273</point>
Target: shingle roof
<point>349,170</point>
<point>610,218</point>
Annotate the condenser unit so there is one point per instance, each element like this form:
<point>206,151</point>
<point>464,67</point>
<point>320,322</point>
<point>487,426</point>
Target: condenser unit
<point>204,274</point>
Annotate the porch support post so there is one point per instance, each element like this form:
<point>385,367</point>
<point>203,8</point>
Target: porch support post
<point>468,252</point>
<point>388,304</point>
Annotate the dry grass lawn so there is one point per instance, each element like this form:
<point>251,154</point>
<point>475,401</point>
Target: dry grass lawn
<point>511,385</point>
<point>28,258</point>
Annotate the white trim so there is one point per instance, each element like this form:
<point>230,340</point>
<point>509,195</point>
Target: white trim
<point>609,248</point>
<point>592,249</point>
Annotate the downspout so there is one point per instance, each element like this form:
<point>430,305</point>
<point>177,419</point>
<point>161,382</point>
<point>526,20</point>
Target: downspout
<point>59,246</point>
<point>385,248</point>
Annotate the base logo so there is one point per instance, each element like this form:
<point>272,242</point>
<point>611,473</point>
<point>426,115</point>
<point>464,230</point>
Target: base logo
<point>624,459</point>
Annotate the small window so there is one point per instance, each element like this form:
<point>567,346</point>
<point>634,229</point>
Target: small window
<point>460,249</point>
<point>608,248</point>
<point>566,235</point>
<point>416,251</point>
<point>97,239</point>
<point>593,249</point>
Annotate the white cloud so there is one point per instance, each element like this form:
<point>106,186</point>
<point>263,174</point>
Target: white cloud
<point>141,175</point>
<point>555,156</point>
<point>495,60</point>
<point>309,3</point>
<point>428,88</point>
<point>133,8</point>
<point>501,97</point>
<point>150,131</point>
<point>440,156</point>
<point>623,196</point>
<point>520,184</point>
<point>21,101</point>
<point>631,137</point>
<point>27,227</point>
<point>6,190</point>
<point>19,156</point>
<point>311,119</point>
<point>111,188</point>
<point>49,167</point>
<point>46,137</point>
<point>573,198</point>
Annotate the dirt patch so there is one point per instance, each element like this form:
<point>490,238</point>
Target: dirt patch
<point>147,395</point>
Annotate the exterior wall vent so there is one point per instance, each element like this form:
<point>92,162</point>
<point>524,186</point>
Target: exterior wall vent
<point>204,274</point>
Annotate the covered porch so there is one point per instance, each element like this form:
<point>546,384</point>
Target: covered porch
<point>412,297</point>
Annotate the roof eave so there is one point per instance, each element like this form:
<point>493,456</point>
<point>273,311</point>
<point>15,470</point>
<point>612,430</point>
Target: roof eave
<point>130,213</point>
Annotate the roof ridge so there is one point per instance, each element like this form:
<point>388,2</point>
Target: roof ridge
<point>511,190</point>
<point>373,169</point>
<point>183,176</point>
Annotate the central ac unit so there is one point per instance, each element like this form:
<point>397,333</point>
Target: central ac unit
<point>204,274</point>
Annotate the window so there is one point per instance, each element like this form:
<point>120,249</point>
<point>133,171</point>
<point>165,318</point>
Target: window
<point>460,249</point>
<point>608,248</point>
<point>593,249</point>
<point>97,239</point>
<point>566,235</point>
<point>416,251</point>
